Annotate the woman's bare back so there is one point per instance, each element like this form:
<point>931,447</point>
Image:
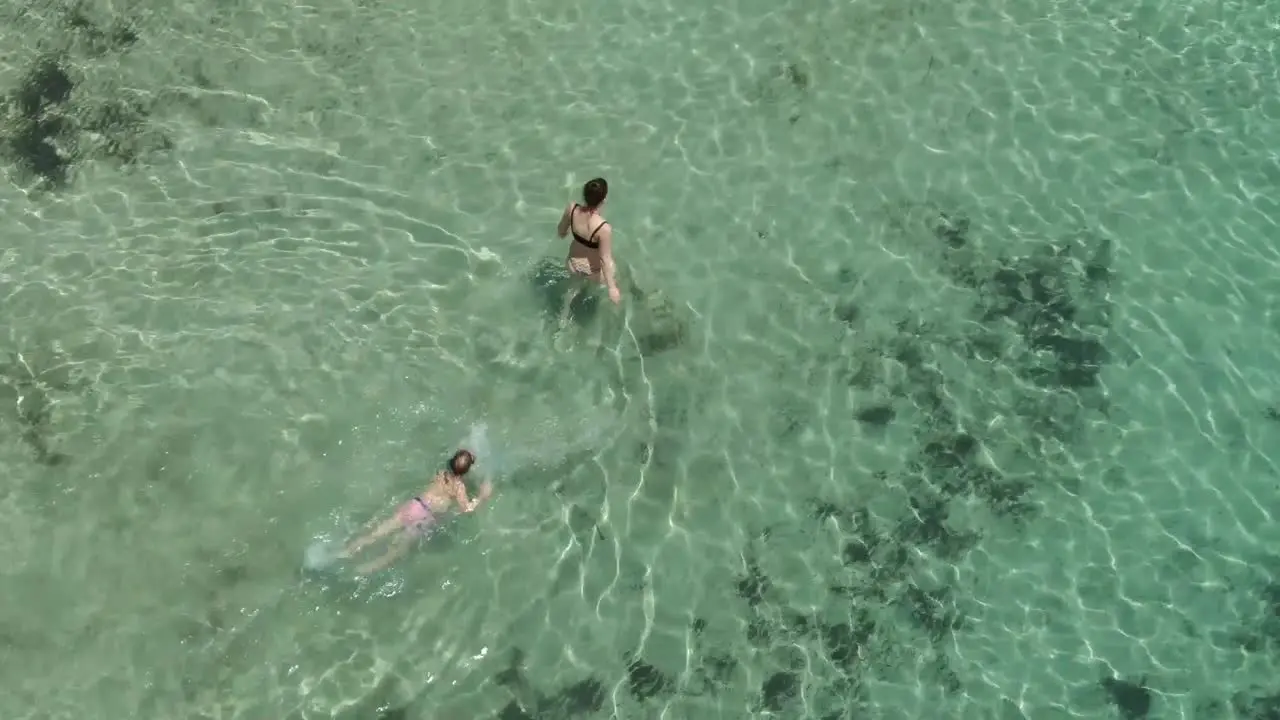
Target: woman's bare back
<point>442,491</point>
<point>584,259</point>
<point>591,247</point>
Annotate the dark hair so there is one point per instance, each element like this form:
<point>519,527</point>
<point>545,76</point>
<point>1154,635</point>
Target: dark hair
<point>461,462</point>
<point>594,192</point>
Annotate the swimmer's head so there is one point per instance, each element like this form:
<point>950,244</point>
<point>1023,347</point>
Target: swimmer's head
<point>461,462</point>
<point>594,192</point>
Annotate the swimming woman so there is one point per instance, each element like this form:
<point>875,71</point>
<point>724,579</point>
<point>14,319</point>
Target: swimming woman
<point>421,515</point>
<point>591,252</point>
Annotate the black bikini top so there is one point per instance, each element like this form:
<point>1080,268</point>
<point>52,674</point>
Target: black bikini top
<point>590,241</point>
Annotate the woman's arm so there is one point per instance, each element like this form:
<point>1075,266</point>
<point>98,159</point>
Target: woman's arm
<point>606,259</point>
<point>566,219</point>
<point>384,529</point>
<point>465,505</point>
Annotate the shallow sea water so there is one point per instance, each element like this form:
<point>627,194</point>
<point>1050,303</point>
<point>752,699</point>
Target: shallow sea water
<point>944,385</point>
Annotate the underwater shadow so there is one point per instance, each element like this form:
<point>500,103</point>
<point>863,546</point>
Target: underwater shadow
<point>553,286</point>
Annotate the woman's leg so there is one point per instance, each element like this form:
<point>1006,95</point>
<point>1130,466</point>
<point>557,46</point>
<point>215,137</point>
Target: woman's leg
<point>387,527</point>
<point>566,310</point>
<point>398,548</point>
<point>577,283</point>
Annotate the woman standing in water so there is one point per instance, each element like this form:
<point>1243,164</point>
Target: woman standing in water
<point>591,252</point>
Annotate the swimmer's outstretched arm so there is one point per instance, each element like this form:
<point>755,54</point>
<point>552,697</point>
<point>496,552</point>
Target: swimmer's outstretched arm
<point>465,505</point>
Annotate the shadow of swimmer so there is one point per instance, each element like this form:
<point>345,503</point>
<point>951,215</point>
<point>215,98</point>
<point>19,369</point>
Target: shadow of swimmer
<point>657,323</point>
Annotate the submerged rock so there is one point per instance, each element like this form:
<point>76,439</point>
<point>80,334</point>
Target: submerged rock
<point>1133,700</point>
<point>659,324</point>
<point>46,127</point>
<point>35,130</point>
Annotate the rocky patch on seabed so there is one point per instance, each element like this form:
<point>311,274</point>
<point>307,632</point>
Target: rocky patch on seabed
<point>31,384</point>
<point>49,123</point>
<point>1042,316</point>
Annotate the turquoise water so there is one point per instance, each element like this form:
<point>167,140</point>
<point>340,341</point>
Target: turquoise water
<point>944,385</point>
